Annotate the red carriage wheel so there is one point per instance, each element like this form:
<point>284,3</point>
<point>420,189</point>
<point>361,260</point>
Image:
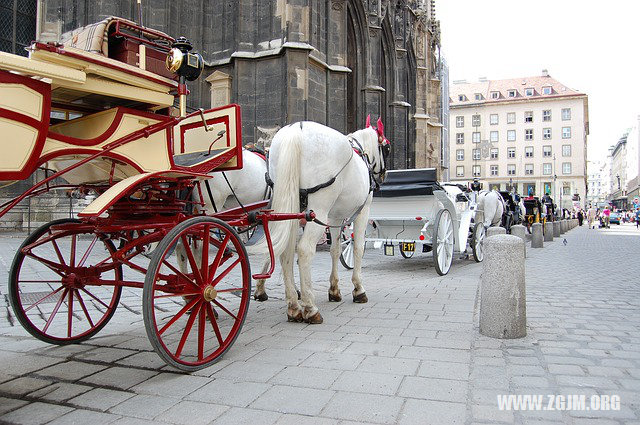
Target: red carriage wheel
<point>196,293</point>
<point>56,282</point>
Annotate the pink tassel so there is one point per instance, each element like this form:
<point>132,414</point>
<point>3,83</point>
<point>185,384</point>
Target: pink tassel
<point>380,128</point>
<point>368,121</point>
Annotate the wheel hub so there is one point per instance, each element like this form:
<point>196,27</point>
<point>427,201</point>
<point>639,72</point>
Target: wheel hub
<point>210,293</point>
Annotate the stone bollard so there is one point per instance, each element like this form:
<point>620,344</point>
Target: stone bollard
<point>536,236</point>
<point>563,226</point>
<point>548,231</point>
<point>556,229</point>
<point>520,231</point>
<point>503,305</point>
<point>496,231</point>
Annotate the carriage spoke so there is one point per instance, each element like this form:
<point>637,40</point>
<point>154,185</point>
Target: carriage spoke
<point>225,272</point>
<point>55,310</point>
<point>178,315</point>
<point>205,255</point>
<point>57,249</point>
<point>187,328</point>
<point>84,308</point>
<point>70,314</point>
<point>192,261</point>
<point>214,323</point>
<point>182,275</point>
<point>229,290</point>
<point>201,324</point>
<point>89,249</point>
<point>219,254</point>
<point>177,295</point>
<point>224,309</point>
<point>43,298</point>
<point>72,258</point>
<point>54,267</point>
<point>94,297</point>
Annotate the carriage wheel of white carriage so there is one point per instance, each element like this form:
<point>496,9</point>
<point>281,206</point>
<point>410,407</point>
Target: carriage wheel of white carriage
<point>346,246</point>
<point>443,242</point>
<point>477,242</point>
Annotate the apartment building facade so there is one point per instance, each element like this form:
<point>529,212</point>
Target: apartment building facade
<point>527,134</point>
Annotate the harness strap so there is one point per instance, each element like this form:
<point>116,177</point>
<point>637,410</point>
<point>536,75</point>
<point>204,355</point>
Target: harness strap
<point>213,203</point>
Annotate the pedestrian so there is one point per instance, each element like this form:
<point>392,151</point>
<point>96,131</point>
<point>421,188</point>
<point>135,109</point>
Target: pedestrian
<point>606,213</point>
<point>580,217</point>
<point>591,216</point>
<point>637,217</point>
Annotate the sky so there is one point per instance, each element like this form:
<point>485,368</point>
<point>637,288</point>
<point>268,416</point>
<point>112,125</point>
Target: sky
<point>587,45</point>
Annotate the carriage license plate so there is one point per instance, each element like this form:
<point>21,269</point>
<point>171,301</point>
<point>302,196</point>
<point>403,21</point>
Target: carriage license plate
<point>408,246</point>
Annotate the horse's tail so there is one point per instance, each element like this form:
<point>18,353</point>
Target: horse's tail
<point>286,188</point>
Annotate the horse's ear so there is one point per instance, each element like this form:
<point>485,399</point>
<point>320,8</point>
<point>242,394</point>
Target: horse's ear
<point>368,124</point>
<point>380,128</point>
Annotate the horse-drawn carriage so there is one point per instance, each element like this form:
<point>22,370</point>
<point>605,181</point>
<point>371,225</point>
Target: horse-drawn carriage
<point>512,214</point>
<point>144,162</point>
<point>533,212</point>
<point>411,211</point>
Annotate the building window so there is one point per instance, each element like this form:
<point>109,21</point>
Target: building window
<point>566,190</point>
<point>495,95</point>
<point>546,115</point>
<point>566,168</point>
<point>462,98</point>
<point>546,134</point>
<point>528,152</point>
<point>547,187</point>
<point>511,117</point>
<point>511,135</point>
<point>460,154</point>
<point>528,116</point>
<point>478,96</point>
<point>460,138</point>
<point>475,154</point>
<point>546,90</point>
<point>511,152</point>
<point>475,120</point>
<point>566,132</point>
<point>494,170</point>
<point>18,23</point>
<point>493,119</point>
<point>546,168</point>
<point>528,169</point>
<point>528,92</point>
<point>493,136</point>
<point>475,137</point>
<point>546,151</point>
<point>494,153</point>
<point>530,188</point>
<point>476,171</point>
<point>460,121</point>
<point>566,114</point>
<point>528,134</point>
<point>512,93</point>
<point>460,171</point>
<point>566,150</point>
<point>511,169</point>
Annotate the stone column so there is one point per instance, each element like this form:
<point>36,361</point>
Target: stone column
<point>496,231</point>
<point>548,231</point>
<point>520,231</point>
<point>536,236</point>
<point>220,88</point>
<point>503,307</point>
<point>556,229</point>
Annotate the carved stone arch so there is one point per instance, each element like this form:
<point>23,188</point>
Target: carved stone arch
<point>390,74</point>
<point>357,59</point>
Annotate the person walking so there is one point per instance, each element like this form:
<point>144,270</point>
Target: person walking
<point>637,217</point>
<point>591,216</point>
<point>606,213</point>
<point>580,217</point>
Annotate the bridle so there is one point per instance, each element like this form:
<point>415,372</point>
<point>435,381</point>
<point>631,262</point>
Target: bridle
<point>377,167</point>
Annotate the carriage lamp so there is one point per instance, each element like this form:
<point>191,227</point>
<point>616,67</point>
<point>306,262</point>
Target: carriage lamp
<point>187,65</point>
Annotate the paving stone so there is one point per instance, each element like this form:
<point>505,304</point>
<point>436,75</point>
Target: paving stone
<point>171,385</point>
<point>254,371</point>
<point>144,406</point>
<point>71,370</point>
<point>223,391</point>
<point>306,377</point>
<point>60,391</point>
<point>340,361</point>
<point>427,412</point>
<point>285,399</point>
<point>280,356</point>
<point>35,413</point>
<point>390,365</point>
<point>104,354</point>
<point>9,404</point>
<point>100,399</point>
<point>368,382</point>
<point>443,370</point>
<point>372,349</point>
<point>434,389</point>
<point>119,377</point>
<point>491,414</point>
<point>80,416</point>
<point>289,419</point>
<point>192,413</point>
<point>564,369</point>
<point>443,354</point>
<point>364,407</point>
<point>23,386</point>
<point>235,416</point>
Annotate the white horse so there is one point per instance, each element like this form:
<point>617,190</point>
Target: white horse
<point>248,184</point>
<point>309,155</point>
<point>491,204</point>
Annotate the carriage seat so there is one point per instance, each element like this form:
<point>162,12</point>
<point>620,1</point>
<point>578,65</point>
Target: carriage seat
<point>193,158</point>
<point>416,182</point>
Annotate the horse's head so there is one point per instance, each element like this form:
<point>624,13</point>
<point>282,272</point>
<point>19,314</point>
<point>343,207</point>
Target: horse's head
<point>380,150</point>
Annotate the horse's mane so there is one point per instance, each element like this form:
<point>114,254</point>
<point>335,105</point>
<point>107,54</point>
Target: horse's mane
<point>368,138</point>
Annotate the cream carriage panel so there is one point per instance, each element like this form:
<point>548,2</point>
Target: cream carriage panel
<point>23,141</point>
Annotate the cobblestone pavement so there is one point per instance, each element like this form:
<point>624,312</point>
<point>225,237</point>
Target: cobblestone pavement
<point>413,354</point>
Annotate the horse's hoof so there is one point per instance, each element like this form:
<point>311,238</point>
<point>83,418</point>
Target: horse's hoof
<point>261,297</point>
<point>335,297</point>
<point>299,295</point>
<point>297,318</point>
<point>316,319</point>
<point>361,298</point>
